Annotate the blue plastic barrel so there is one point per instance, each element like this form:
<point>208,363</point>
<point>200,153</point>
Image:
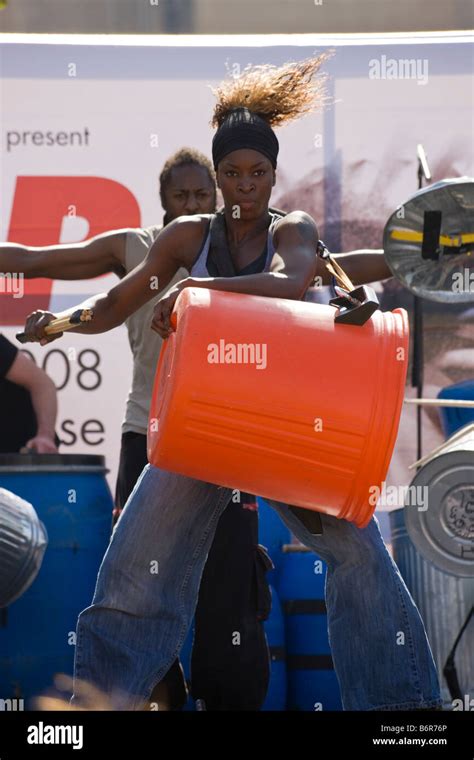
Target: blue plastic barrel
<point>312,682</point>
<point>275,632</point>
<point>37,632</point>
<point>273,535</point>
<point>454,418</point>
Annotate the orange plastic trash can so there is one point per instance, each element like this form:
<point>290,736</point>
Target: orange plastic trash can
<point>272,397</point>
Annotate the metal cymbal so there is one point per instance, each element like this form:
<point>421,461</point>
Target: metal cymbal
<point>429,242</point>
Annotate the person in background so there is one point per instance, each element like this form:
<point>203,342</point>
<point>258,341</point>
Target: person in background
<point>28,404</point>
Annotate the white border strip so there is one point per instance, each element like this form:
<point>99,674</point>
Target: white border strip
<point>235,40</point>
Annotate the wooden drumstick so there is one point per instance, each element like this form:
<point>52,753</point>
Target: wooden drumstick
<point>63,323</point>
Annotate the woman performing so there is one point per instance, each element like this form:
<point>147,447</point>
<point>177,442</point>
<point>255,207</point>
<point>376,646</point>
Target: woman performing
<point>132,632</point>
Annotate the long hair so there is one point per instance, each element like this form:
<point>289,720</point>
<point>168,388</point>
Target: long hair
<point>277,94</point>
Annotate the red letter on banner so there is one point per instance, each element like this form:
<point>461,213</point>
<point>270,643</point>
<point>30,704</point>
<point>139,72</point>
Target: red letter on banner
<point>38,209</point>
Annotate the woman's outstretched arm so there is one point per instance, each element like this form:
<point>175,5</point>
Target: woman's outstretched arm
<point>139,286</point>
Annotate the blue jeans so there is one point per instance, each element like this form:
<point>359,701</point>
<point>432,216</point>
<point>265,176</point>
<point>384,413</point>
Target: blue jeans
<point>148,584</point>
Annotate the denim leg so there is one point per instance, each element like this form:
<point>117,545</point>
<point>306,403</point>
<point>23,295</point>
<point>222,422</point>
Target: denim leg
<point>381,654</point>
<point>147,586</point>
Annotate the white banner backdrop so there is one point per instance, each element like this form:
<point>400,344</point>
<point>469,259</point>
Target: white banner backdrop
<point>88,127</point>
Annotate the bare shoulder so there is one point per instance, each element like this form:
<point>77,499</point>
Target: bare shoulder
<point>187,234</point>
<point>296,223</point>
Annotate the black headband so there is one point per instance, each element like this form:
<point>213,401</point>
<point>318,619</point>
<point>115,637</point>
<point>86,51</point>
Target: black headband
<point>244,129</point>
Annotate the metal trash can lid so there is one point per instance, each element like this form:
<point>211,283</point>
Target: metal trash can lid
<point>23,541</point>
<point>443,528</point>
<point>434,276</point>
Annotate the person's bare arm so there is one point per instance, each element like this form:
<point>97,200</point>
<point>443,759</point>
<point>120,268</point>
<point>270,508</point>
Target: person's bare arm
<point>361,266</point>
<point>78,261</point>
<point>144,282</point>
<point>292,270</point>
<point>25,372</point>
